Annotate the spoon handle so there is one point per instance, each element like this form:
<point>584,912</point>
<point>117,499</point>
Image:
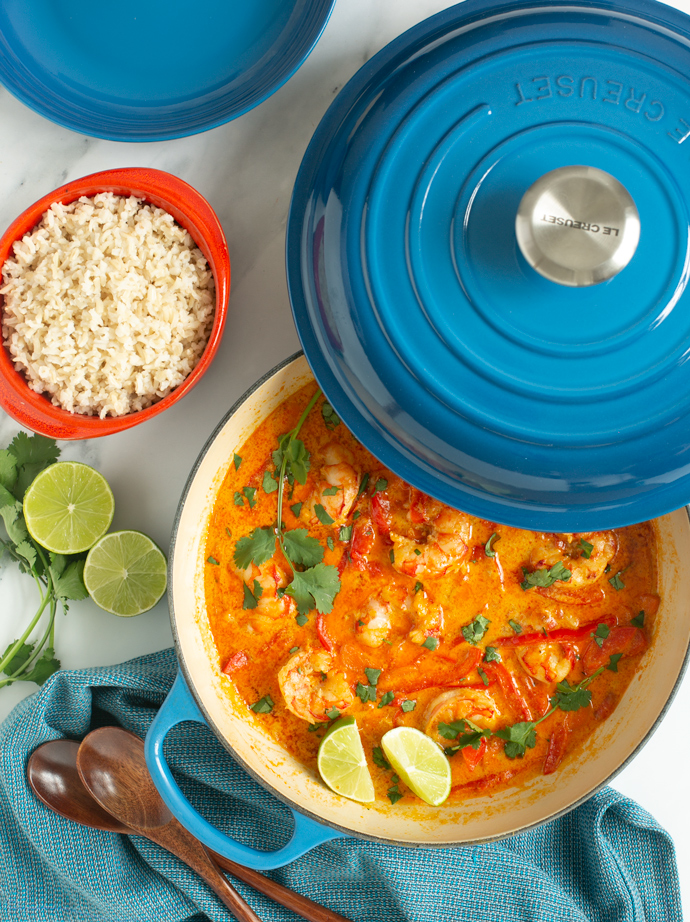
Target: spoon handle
<point>300,905</point>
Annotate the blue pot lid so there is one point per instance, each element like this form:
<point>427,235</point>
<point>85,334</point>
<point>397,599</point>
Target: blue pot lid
<point>459,366</point>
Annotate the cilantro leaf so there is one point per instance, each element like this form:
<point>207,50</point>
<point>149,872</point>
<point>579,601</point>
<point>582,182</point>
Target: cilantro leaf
<point>43,667</point>
<point>257,548</point>
<point>365,692</point>
<point>364,483</point>
<point>482,675</point>
<point>617,582</point>
<point>315,588</point>
<point>26,550</point>
<point>250,493</point>
<point>297,458</point>
<point>333,714</point>
<point>613,662</point>
<point>296,509</point>
<point>519,738</point>
<point>408,705</point>
<point>379,758</point>
<point>329,491</point>
<point>70,584</point>
<point>212,560</point>
<point>488,550</point>
<point>571,697</point>
<point>345,533</point>
<point>6,498</point>
<point>545,577</point>
<point>322,515</point>
<point>638,620</point>
<point>586,547</point>
<point>301,548</point>
<point>372,675</point>
<point>263,706</point>
<point>515,626</point>
<point>251,597</point>
<point>237,461</point>
<point>386,699</point>
<point>301,620</point>
<point>330,417</point>
<point>269,483</point>
<point>381,485</point>
<point>33,454</point>
<point>8,469</point>
<point>600,635</point>
<point>475,630</point>
<point>491,655</point>
<point>431,643</point>
<point>330,543</point>
<point>394,794</point>
<point>238,499</point>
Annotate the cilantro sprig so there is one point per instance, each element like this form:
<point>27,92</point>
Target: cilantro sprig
<point>545,577</point>
<point>314,584</point>
<point>57,577</point>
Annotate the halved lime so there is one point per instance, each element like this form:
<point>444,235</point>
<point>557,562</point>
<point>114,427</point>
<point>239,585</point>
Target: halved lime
<point>68,507</point>
<point>342,763</point>
<point>420,762</point>
<point>125,573</point>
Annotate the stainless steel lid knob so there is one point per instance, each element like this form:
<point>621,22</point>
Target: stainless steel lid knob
<point>577,226</point>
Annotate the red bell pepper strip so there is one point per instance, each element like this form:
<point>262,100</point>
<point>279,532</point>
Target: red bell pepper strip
<point>444,677</point>
<point>555,636</point>
<point>472,756</point>
<point>625,640</point>
<point>322,633</point>
<point>557,747</point>
<point>236,661</point>
<point>381,515</point>
<point>361,542</point>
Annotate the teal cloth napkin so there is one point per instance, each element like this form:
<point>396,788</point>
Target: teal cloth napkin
<point>607,861</point>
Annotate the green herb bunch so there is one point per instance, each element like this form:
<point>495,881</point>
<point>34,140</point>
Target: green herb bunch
<point>57,577</point>
<point>314,584</point>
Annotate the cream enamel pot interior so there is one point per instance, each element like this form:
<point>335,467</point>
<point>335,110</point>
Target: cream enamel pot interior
<point>482,818</point>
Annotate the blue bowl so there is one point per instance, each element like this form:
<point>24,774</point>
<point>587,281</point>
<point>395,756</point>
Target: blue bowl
<point>156,70</point>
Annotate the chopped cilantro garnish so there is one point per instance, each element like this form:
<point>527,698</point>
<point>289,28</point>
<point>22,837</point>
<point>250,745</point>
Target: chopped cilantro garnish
<point>372,675</point>
<point>381,485</point>
<point>613,662</point>
<point>386,699</point>
<point>228,532</point>
<point>488,550</point>
<point>394,794</point>
<point>365,692</point>
<point>250,492</point>
<point>301,619</point>
<point>617,582</point>
<point>296,509</point>
<point>417,552</point>
<point>263,705</point>
<point>431,643</point>
<point>545,577</point>
<point>491,655</point>
<point>330,417</point>
<point>638,620</point>
<point>391,555</point>
<point>237,460</point>
<point>417,587</point>
<point>322,515</point>
<point>475,630</point>
<point>364,483</point>
<point>571,697</point>
<point>408,705</point>
<point>293,650</point>
<point>515,626</point>
<point>238,499</point>
<point>270,484</point>
<point>519,738</point>
<point>251,597</point>
<point>586,547</point>
<point>379,758</point>
<point>600,635</point>
<point>330,543</point>
<point>329,491</point>
<point>345,533</point>
<point>356,514</point>
<point>333,714</point>
<point>482,675</point>
<point>213,561</point>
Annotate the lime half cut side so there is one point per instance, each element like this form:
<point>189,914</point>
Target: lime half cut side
<point>342,763</point>
<point>68,507</point>
<point>125,573</point>
<point>420,762</point>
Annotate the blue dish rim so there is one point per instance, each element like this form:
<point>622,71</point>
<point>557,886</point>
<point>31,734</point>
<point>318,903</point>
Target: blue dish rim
<point>320,10</point>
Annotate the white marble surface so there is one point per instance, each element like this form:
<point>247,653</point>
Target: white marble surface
<point>246,170</point>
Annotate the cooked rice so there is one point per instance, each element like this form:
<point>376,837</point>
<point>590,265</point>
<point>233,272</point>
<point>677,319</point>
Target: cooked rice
<point>108,305</point>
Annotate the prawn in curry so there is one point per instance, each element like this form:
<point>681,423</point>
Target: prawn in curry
<point>365,597</point>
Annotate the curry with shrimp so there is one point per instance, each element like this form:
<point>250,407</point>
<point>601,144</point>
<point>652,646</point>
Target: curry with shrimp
<point>334,588</point>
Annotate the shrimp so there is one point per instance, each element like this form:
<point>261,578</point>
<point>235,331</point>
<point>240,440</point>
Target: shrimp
<point>444,546</point>
<point>461,704</point>
<point>270,578</point>
<point>585,556</point>
<point>311,688</point>
<point>547,662</point>
<point>373,624</point>
<point>428,618</point>
<point>337,489</point>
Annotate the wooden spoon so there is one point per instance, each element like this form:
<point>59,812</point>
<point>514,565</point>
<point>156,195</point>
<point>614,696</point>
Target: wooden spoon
<point>53,777</point>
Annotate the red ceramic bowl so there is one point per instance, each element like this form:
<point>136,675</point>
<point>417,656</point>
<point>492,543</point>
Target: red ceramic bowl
<point>190,210</point>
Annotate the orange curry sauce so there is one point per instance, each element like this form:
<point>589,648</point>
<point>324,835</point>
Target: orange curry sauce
<point>414,574</point>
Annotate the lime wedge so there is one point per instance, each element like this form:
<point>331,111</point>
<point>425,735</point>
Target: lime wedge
<point>68,507</point>
<point>420,762</point>
<point>125,573</point>
<point>342,764</point>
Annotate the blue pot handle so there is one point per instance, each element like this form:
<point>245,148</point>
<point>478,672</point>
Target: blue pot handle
<point>178,707</point>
